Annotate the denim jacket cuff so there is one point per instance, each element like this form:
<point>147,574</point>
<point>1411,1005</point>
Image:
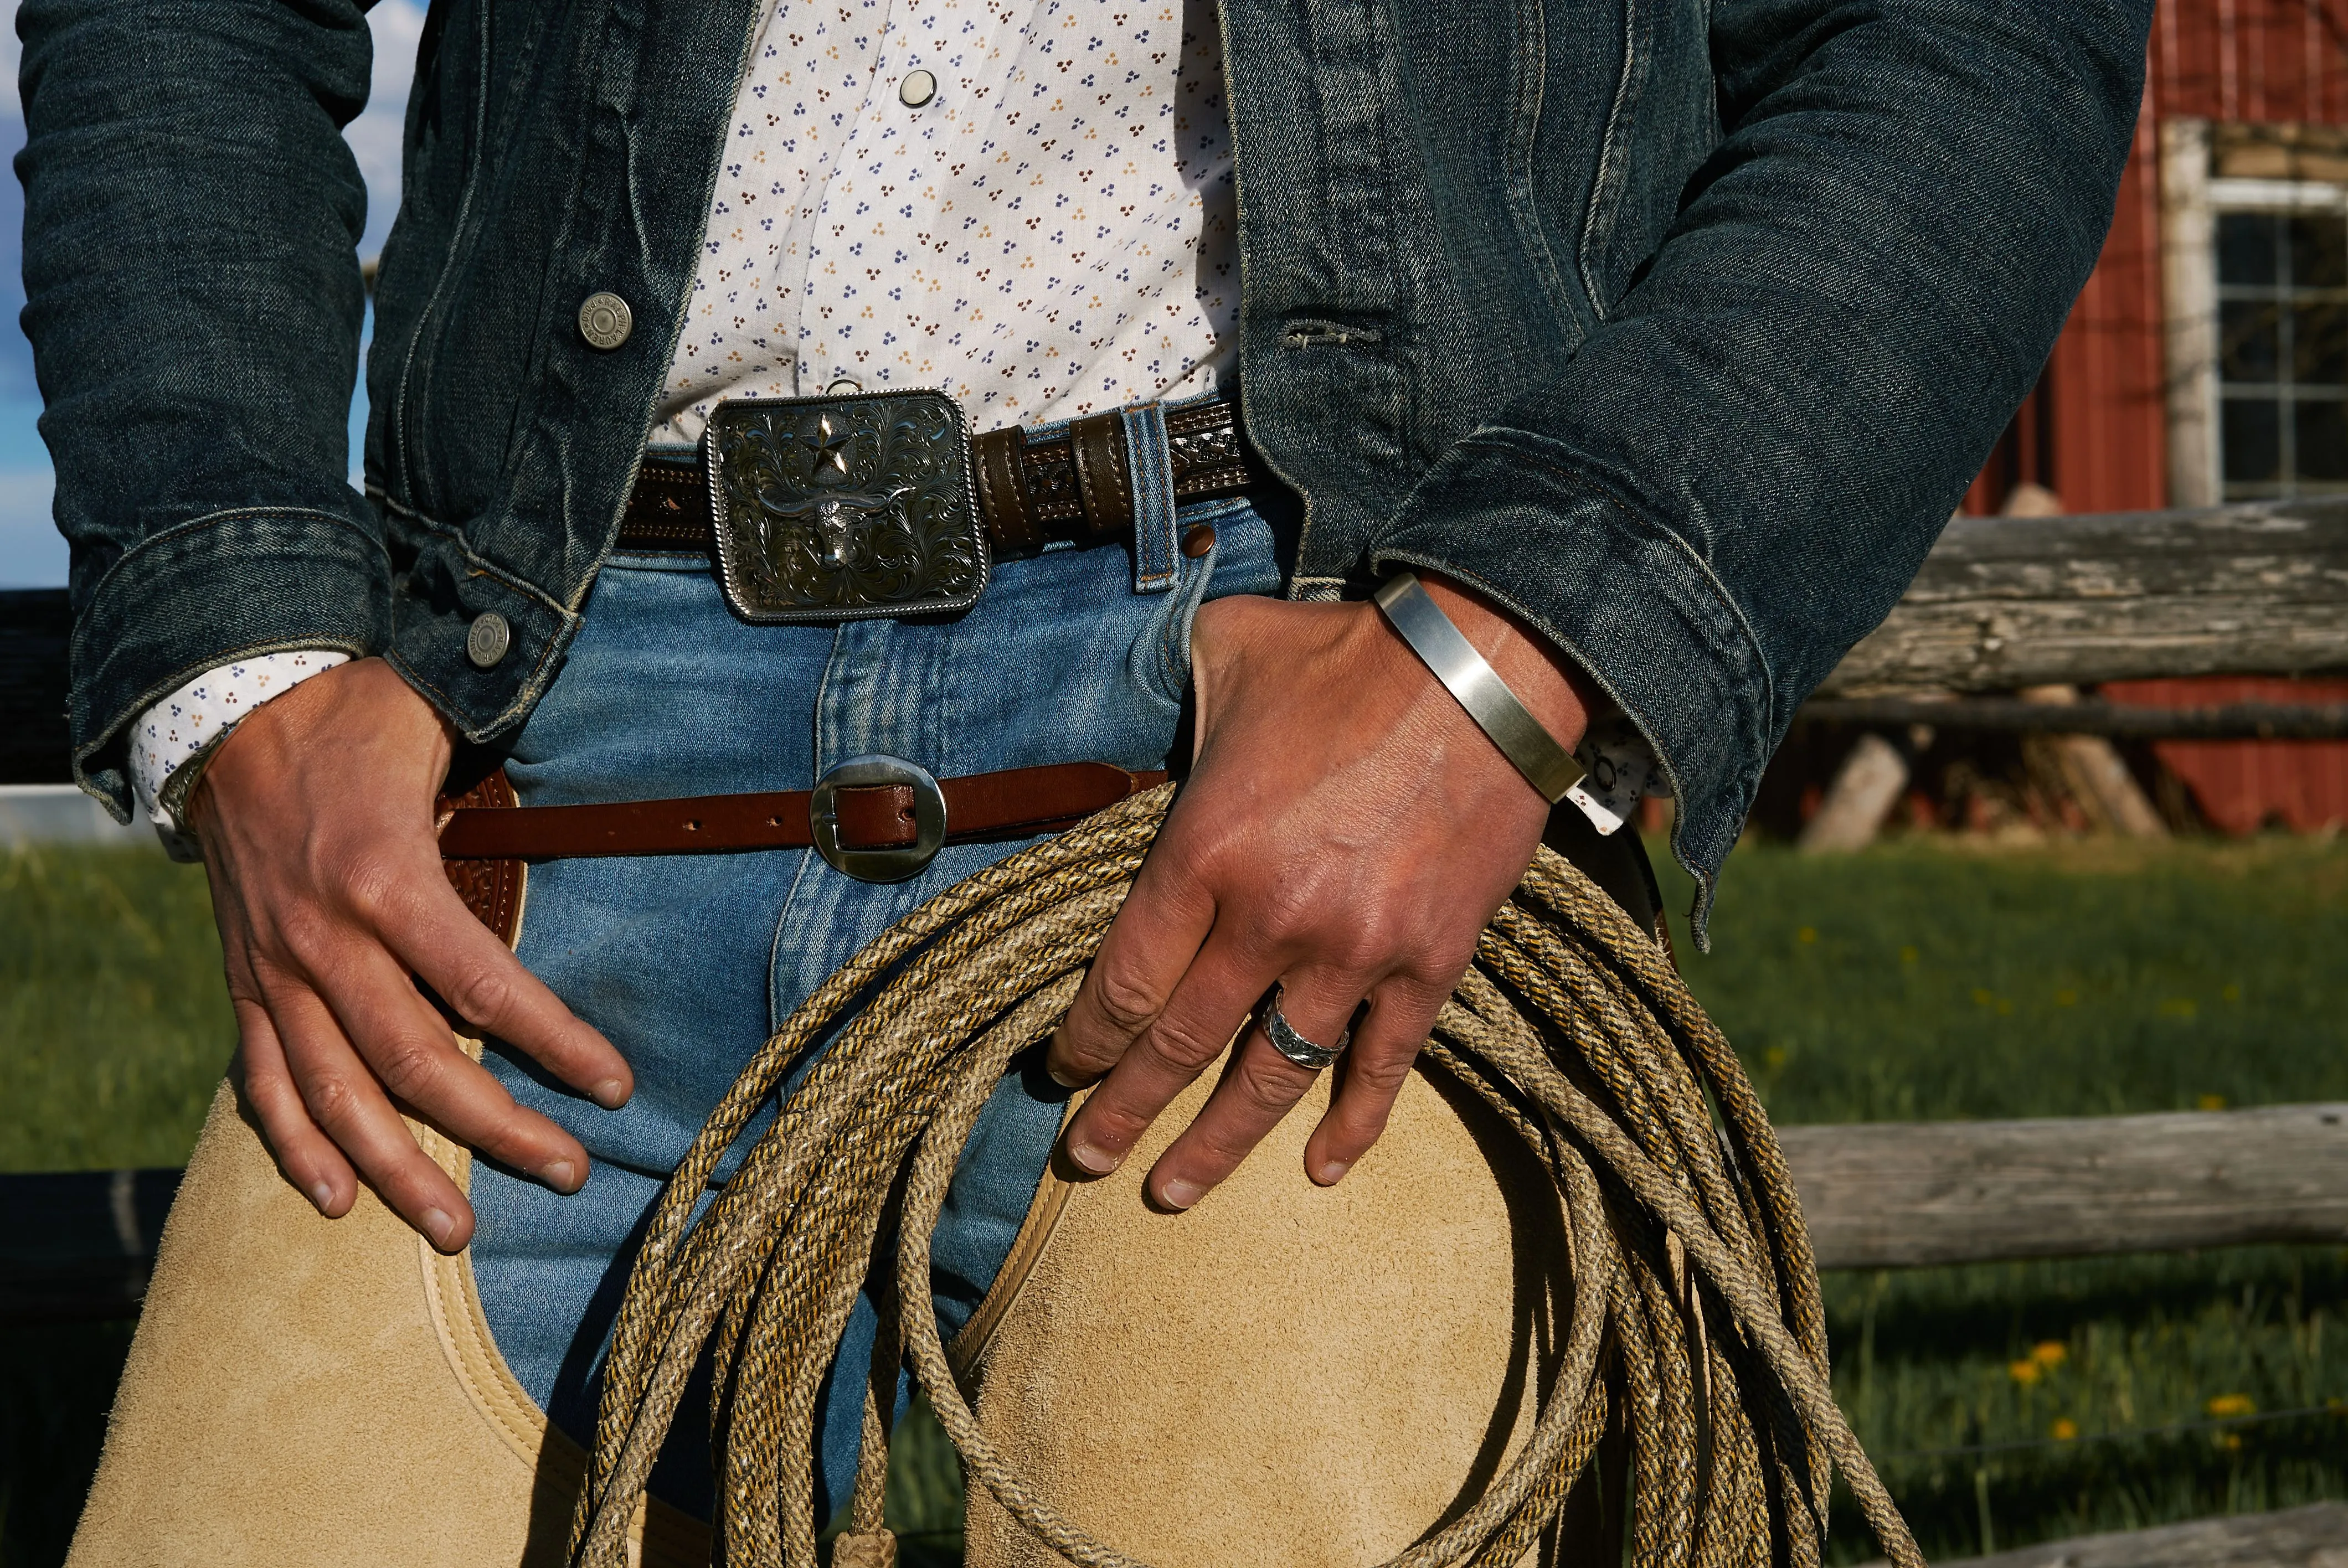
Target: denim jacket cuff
<point>219,587</point>
<point>1514,516</point>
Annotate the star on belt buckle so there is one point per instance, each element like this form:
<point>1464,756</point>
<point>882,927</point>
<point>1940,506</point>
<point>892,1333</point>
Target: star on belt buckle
<point>844,508</point>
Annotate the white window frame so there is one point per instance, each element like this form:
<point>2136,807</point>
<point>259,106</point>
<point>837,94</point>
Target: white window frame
<point>2191,200</point>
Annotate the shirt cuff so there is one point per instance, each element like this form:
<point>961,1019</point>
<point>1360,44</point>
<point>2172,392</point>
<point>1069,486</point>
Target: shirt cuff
<point>1620,768</point>
<point>183,725</point>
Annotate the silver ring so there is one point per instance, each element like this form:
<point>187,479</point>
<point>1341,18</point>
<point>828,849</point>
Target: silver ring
<point>1295,1047</point>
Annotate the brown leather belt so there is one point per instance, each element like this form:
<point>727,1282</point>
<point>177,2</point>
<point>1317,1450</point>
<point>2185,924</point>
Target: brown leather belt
<point>879,819</point>
<point>1075,486</point>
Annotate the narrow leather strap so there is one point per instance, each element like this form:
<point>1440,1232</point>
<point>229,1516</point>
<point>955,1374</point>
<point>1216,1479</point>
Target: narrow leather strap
<point>1015,803</point>
<point>874,817</point>
<point>1104,478</point>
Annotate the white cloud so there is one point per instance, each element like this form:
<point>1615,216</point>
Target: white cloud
<point>11,50</point>
<point>374,136</point>
<point>32,551</point>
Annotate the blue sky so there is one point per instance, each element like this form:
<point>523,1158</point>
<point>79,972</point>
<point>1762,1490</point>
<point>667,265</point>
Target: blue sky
<point>31,553</point>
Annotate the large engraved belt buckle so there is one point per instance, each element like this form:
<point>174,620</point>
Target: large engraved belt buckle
<point>844,508</point>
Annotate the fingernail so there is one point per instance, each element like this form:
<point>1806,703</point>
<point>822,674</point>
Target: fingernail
<point>1332,1171</point>
<point>561,1174</point>
<point>611,1094</point>
<point>439,1228</point>
<point>1062,1079</point>
<point>323,1195</point>
<point>1181,1195</point>
<point>1097,1160</point>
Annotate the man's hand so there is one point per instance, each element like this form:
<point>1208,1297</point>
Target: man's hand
<point>1347,831</point>
<point>316,817</point>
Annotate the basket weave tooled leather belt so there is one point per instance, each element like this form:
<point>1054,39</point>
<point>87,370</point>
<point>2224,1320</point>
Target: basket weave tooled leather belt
<point>836,508</point>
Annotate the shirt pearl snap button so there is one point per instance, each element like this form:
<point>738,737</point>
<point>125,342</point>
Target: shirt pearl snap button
<point>918,88</point>
<point>487,642</point>
<point>605,321</point>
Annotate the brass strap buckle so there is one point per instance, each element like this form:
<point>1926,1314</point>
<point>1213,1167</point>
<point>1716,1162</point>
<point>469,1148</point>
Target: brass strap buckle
<point>844,508</point>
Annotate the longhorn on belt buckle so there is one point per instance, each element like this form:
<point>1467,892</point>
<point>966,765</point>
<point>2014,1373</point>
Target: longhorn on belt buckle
<point>844,508</point>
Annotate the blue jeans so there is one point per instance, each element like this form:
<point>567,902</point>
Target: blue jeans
<point>687,963</point>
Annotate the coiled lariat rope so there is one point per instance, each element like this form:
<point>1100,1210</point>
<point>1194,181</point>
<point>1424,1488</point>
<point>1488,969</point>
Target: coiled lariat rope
<point>1572,1026</point>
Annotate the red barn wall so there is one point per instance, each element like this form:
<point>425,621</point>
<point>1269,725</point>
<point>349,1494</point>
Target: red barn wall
<point>2096,430</point>
<point>2269,61</point>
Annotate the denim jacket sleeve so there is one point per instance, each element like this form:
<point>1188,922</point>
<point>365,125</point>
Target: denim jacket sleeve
<point>193,300</point>
<point>1745,463</point>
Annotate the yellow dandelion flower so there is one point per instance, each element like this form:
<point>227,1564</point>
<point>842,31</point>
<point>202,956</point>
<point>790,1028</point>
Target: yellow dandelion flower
<point>2225,1405</point>
<point>2049,1352</point>
<point>1981,999</point>
<point>1807,934</point>
<point>1909,955</point>
<point>2063,1430</point>
<point>1774,1056</point>
<point>2211,1102</point>
<point>2066,998</point>
<point>2231,993</point>
<point>2024,1372</point>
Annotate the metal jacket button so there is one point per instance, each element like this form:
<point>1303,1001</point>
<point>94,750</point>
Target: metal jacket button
<point>605,321</point>
<point>918,88</point>
<point>487,642</point>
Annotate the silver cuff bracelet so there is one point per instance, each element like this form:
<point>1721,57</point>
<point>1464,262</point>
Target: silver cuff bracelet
<point>1420,621</point>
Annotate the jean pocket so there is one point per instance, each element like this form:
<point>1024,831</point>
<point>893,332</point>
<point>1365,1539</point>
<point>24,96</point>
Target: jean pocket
<point>1241,559</point>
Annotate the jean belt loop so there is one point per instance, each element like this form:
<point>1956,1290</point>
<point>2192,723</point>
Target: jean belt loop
<point>1155,551</point>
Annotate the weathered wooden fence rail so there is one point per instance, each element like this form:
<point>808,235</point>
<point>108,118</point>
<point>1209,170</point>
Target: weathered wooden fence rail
<point>2120,721</point>
<point>1878,1195</point>
<point>2006,602</point>
<point>1904,1194</point>
<point>2313,1536</point>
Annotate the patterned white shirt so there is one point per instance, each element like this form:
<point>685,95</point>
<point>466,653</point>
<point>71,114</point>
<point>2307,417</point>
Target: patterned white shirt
<point>1028,205</point>
<point>191,718</point>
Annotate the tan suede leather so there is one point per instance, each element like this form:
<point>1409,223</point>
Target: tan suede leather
<point>311,1391</point>
<point>1288,1375</point>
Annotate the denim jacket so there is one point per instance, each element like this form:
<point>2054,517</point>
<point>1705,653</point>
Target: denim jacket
<point>1678,325</point>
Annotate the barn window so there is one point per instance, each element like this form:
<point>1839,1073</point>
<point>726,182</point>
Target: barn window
<point>2282,351</point>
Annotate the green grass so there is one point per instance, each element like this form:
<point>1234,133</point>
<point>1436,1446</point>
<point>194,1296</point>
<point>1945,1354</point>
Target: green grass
<point>1924,980</point>
<point>114,1025</point>
<point>1928,979</point>
<point>1919,981</point>
<point>2017,1403</point>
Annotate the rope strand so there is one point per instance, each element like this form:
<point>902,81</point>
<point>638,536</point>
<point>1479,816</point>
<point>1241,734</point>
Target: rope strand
<point>1693,1277</point>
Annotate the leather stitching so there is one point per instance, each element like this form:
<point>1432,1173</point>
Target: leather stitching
<point>1035,1231</point>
